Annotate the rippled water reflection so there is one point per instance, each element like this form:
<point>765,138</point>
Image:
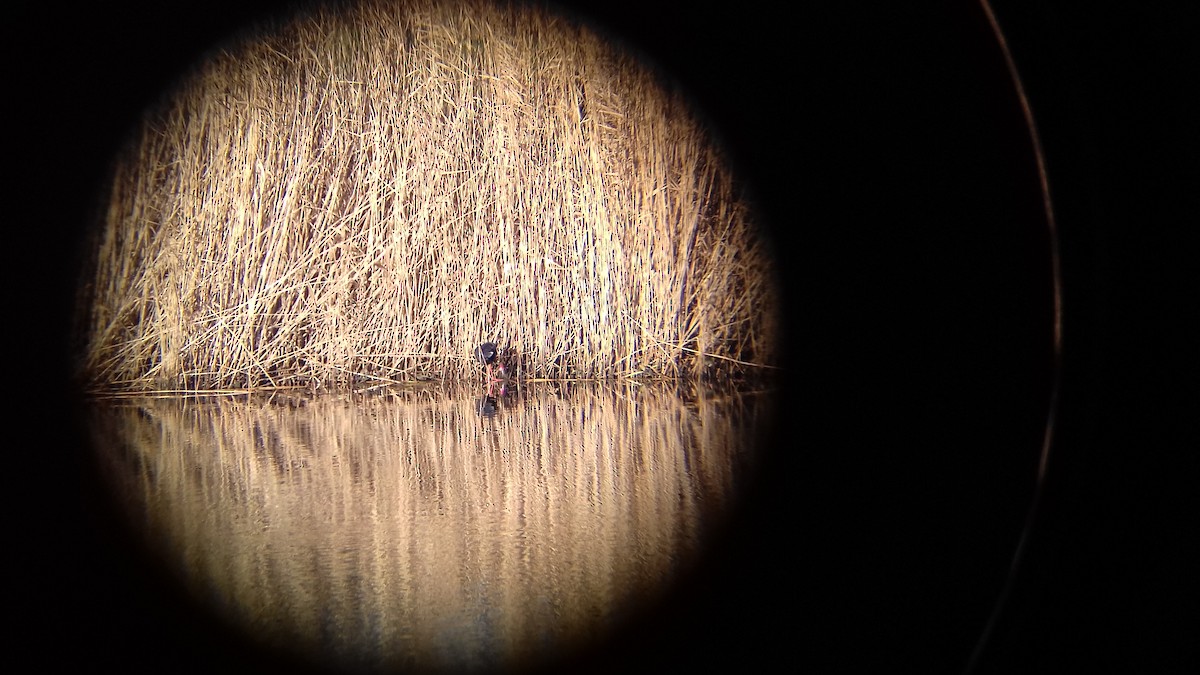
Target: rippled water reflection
<point>430,528</point>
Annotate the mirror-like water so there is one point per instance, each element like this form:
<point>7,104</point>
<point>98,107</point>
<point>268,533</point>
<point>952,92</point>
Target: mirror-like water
<point>430,528</point>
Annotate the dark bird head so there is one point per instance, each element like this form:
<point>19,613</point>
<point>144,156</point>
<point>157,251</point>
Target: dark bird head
<point>486,353</point>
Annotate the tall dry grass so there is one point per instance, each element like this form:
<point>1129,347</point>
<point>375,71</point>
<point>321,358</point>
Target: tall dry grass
<point>373,192</point>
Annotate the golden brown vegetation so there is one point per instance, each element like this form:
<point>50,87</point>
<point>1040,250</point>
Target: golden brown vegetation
<point>371,193</point>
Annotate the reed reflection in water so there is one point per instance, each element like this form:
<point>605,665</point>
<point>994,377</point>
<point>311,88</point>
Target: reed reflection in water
<point>405,528</point>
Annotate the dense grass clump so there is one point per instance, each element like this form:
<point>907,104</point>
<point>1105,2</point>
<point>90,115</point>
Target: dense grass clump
<point>370,193</point>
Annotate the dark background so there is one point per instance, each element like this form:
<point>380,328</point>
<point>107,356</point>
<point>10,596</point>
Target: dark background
<point>891,161</point>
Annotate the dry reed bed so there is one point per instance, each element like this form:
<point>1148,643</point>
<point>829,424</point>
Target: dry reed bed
<point>403,518</point>
<point>372,193</point>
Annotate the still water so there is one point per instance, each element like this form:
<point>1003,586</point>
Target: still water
<point>433,528</point>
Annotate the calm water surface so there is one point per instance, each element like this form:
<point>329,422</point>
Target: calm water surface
<point>441,528</point>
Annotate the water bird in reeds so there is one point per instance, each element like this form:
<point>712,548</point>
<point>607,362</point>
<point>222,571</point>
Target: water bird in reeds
<point>487,354</point>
